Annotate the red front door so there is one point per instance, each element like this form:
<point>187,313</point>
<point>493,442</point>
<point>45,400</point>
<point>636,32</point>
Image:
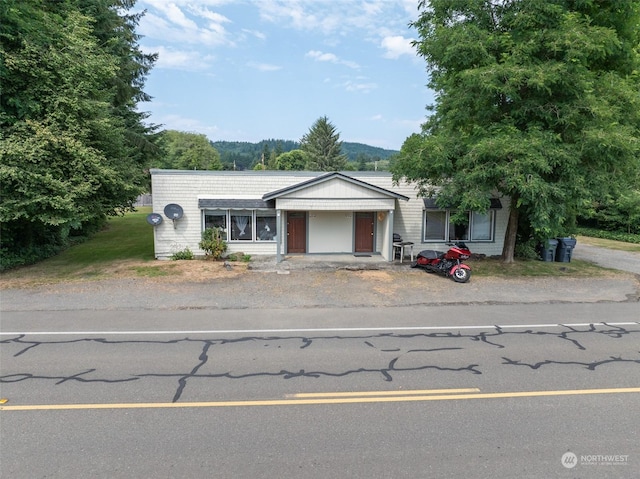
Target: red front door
<point>364,232</point>
<point>296,232</point>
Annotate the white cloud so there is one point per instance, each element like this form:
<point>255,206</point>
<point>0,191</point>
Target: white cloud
<point>322,57</point>
<point>191,125</point>
<point>175,16</point>
<point>330,57</point>
<point>341,18</point>
<point>396,46</point>
<point>376,117</point>
<point>286,13</point>
<point>193,24</point>
<point>214,17</point>
<point>327,17</point>
<point>255,33</point>
<point>359,87</point>
<point>173,59</point>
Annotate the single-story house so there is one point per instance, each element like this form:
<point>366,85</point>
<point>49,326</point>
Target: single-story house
<point>299,212</point>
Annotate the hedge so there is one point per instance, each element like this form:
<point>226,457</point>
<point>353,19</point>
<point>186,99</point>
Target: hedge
<point>610,235</point>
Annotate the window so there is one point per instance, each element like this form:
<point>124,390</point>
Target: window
<point>241,226</point>
<point>216,219</point>
<point>435,225</point>
<point>438,227</point>
<point>458,232</point>
<point>238,225</point>
<point>265,225</point>
<point>482,226</point>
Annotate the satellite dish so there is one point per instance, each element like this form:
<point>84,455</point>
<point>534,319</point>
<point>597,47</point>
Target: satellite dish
<point>154,219</point>
<point>173,211</point>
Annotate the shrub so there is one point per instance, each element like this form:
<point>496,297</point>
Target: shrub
<point>212,243</point>
<point>245,258</point>
<point>184,254</point>
<point>526,250</point>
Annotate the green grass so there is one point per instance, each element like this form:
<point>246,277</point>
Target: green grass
<point>611,244</point>
<point>154,271</point>
<point>534,268</point>
<point>125,238</point>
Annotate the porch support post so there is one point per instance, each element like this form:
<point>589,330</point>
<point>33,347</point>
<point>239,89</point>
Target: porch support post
<point>390,236</point>
<point>279,235</point>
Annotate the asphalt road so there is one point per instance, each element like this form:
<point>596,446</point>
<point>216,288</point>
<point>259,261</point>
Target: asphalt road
<point>323,373</point>
<point>441,391</point>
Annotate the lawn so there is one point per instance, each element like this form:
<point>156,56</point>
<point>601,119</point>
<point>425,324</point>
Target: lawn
<point>125,239</point>
<point>610,244</point>
<point>533,268</point>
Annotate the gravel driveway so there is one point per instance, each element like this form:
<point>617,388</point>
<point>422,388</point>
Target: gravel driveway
<point>317,289</point>
<point>608,258</point>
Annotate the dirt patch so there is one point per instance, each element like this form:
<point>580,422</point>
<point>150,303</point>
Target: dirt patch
<point>375,275</point>
<point>154,271</point>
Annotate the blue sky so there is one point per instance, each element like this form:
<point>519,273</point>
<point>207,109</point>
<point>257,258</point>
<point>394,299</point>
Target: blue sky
<point>248,70</point>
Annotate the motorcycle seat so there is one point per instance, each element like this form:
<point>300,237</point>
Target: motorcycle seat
<point>432,254</point>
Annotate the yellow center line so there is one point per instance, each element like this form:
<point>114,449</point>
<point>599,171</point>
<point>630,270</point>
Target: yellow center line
<point>416,392</point>
<point>317,401</point>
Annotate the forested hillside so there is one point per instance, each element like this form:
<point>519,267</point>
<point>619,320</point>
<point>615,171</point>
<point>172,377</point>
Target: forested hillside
<point>244,155</point>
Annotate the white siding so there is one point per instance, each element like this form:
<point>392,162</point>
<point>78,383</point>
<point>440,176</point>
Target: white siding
<point>336,188</point>
<point>330,232</point>
<point>358,204</point>
<point>324,199</point>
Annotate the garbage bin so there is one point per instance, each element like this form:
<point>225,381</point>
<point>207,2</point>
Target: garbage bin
<point>565,249</point>
<point>547,250</point>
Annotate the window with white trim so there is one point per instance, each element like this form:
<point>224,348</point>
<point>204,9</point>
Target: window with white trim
<point>438,226</point>
<point>243,225</point>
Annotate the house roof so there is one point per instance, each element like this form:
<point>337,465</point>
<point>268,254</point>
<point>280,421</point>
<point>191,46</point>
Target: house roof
<point>235,203</point>
<point>430,204</point>
<point>328,177</point>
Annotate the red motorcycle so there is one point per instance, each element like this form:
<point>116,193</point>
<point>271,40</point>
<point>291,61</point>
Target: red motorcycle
<point>449,263</point>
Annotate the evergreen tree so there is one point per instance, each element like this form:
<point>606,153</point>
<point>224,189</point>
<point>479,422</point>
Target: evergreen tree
<point>323,147</point>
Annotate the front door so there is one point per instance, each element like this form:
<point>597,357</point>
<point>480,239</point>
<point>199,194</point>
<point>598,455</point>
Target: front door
<point>296,232</point>
<point>364,232</point>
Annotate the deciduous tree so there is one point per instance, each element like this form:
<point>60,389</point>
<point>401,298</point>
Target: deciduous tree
<point>187,151</point>
<point>537,100</point>
<point>72,146</point>
<point>292,160</point>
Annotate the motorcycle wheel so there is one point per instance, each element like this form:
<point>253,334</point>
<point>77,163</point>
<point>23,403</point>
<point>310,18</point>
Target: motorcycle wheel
<point>414,264</point>
<point>461,275</point>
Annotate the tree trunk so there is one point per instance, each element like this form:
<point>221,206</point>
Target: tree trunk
<point>509,247</point>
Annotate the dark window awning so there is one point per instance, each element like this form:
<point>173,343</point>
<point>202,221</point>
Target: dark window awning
<point>430,204</point>
<point>236,204</point>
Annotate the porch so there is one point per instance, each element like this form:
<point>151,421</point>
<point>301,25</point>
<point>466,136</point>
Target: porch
<point>324,261</point>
